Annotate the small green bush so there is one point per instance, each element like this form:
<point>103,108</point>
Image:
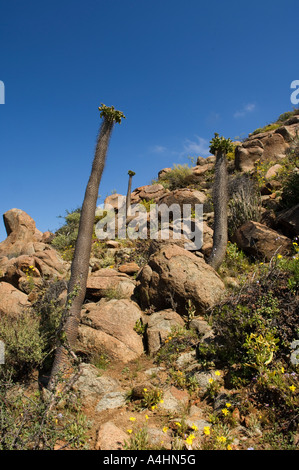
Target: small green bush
<point>290,194</point>
<point>49,307</point>
<point>284,116</point>
<point>148,204</point>
<point>265,307</point>
<point>179,340</point>
<point>279,121</point>
<point>67,234</point>
<point>244,203</point>
<point>236,263</point>
<point>24,345</point>
<point>28,422</point>
<point>268,127</point>
<point>179,177</point>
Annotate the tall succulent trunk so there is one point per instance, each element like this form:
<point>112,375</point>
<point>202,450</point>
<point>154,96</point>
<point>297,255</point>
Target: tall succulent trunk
<point>220,201</point>
<point>128,198</point>
<point>80,263</point>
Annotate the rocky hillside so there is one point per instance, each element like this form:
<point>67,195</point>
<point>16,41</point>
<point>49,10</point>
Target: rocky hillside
<point>171,354</point>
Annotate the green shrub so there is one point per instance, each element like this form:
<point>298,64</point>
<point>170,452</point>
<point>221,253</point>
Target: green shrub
<point>24,345</point>
<point>260,348</point>
<point>28,422</point>
<point>280,120</point>
<point>284,116</point>
<point>268,127</point>
<point>179,340</point>
<point>290,194</point>
<point>147,204</point>
<point>291,267</point>
<point>178,177</point>
<point>265,307</point>
<point>236,263</point>
<point>66,235</point>
<point>49,307</point>
<point>244,203</point>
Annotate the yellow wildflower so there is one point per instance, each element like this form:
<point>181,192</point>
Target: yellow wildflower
<point>194,427</point>
<point>206,430</point>
<point>221,438</point>
<point>132,418</point>
<point>130,431</point>
<point>292,388</point>
<point>229,447</point>
<point>211,381</point>
<point>165,429</point>
<point>228,405</point>
<point>225,411</point>
<point>189,439</point>
<point>217,372</point>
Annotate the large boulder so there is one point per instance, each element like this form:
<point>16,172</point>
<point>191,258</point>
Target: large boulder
<point>198,173</point>
<point>164,172</point>
<point>116,201</point>
<point>20,229</point>
<point>261,242</point>
<point>90,385</point>
<point>109,281</point>
<point>108,326</point>
<point>183,196</point>
<point>110,437</point>
<point>288,221</point>
<point>148,193</point>
<point>274,147</point>
<point>24,253</point>
<point>273,171</point>
<point>288,132</point>
<point>174,275</point>
<point>19,224</point>
<point>159,326</point>
<point>246,156</point>
<point>12,302</point>
<point>266,146</point>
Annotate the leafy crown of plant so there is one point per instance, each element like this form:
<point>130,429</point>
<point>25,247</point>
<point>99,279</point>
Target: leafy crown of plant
<point>220,143</point>
<point>111,114</point>
<point>131,173</point>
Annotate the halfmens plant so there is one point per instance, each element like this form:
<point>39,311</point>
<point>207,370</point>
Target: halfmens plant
<point>220,147</point>
<point>80,263</point>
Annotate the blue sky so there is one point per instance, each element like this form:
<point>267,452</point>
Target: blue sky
<point>180,70</point>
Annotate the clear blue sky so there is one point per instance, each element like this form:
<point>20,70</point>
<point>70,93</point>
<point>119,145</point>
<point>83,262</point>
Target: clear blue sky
<point>180,70</point>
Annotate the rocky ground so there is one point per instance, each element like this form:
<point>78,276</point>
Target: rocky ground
<point>141,384</point>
